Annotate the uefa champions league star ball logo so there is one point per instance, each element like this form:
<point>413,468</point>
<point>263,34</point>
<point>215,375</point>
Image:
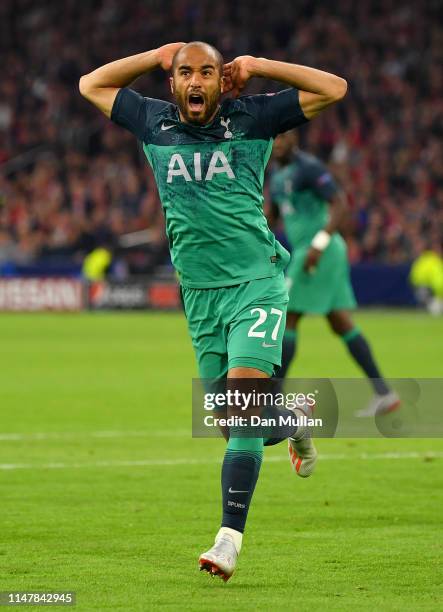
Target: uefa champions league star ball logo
<point>225,123</point>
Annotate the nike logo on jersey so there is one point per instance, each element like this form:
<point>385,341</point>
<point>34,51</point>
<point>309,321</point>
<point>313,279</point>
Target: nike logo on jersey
<point>233,491</point>
<point>264,345</point>
<point>166,127</point>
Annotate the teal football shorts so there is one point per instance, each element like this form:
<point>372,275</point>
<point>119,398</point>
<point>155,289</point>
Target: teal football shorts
<point>326,289</point>
<point>237,326</point>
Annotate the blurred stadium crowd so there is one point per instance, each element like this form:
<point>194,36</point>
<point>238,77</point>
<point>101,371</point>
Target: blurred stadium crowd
<point>70,180</point>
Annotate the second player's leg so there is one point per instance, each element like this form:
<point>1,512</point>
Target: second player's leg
<point>342,325</point>
<point>357,345</point>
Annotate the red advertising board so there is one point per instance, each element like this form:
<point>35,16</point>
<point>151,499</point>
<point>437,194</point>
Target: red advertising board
<point>164,295</point>
<point>36,294</point>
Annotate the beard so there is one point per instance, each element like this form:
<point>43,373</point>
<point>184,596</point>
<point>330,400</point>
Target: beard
<point>198,108</point>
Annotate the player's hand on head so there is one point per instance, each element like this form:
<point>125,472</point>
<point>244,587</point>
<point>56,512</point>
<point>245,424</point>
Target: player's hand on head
<point>237,73</point>
<point>166,54</point>
<point>312,259</point>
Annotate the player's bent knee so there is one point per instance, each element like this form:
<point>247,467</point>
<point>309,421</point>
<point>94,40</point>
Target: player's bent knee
<point>246,372</point>
<point>250,367</point>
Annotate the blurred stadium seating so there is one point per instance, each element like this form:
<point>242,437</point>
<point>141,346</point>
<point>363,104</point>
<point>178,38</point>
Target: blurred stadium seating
<point>71,181</point>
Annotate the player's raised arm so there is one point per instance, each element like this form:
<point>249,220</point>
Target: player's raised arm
<point>318,89</point>
<point>101,86</point>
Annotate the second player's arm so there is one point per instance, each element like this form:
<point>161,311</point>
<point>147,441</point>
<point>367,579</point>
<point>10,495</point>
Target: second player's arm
<point>337,212</point>
<point>101,86</point>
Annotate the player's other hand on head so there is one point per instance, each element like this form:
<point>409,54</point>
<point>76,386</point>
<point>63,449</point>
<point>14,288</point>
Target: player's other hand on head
<point>166,54</point>
<point>311,261</point>
<point>237,73</point>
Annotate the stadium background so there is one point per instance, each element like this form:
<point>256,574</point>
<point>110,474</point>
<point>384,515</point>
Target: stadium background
<point>72,181</point>
<point>104,492</point>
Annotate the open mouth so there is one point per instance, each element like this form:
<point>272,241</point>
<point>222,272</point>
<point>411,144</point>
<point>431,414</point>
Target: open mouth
<point>196,102</point>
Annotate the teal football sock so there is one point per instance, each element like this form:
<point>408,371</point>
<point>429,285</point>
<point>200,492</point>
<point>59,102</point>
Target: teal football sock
<point>362,354</point>
<point>241,467</point>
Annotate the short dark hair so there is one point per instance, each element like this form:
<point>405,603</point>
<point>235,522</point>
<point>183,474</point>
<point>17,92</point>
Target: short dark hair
<point>198,43</point>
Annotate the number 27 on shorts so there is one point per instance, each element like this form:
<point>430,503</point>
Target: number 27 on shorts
<point>262,320</point>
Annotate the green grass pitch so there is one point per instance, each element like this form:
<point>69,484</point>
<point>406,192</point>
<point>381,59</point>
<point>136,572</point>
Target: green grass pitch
<point>104,492</point>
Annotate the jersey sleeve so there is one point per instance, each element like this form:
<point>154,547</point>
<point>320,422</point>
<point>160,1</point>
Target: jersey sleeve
<point>318,178</point>
<point>278,112</point>
<point>135,113</point>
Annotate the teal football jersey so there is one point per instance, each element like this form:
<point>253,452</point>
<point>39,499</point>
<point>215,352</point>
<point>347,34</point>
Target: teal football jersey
<point>210,181</point>
<point>301,190</point>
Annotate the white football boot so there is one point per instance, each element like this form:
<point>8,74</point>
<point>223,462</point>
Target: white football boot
<point>380,404</point>
<point>302,452</point>
<point>221,559</point>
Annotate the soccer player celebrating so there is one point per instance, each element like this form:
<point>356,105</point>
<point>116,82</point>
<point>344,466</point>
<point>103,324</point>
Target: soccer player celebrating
<point>209,157</point>
<point>312,207</point>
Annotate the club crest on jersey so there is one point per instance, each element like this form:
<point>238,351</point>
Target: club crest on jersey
<point>218,164</point>
<point>225,123</point>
